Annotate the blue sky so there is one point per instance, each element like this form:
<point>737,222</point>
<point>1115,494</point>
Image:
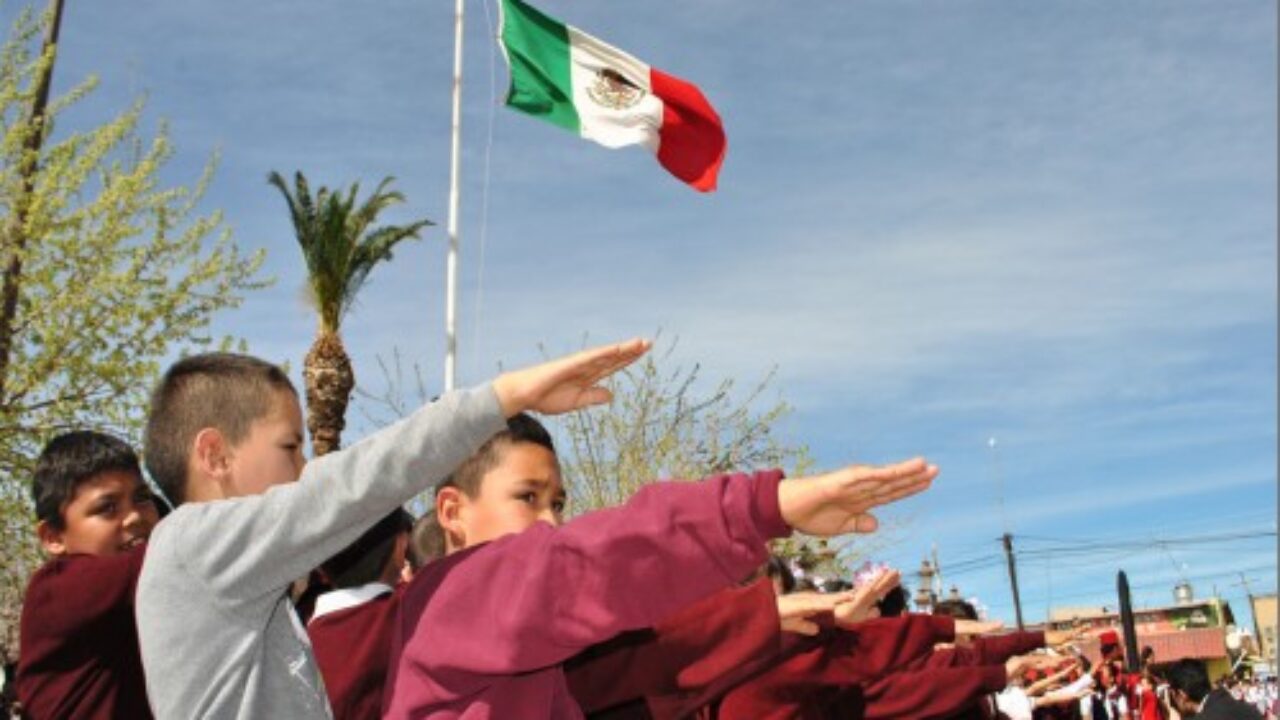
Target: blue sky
<point>1053,224</point>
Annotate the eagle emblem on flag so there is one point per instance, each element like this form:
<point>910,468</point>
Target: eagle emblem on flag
<point>612,90</point>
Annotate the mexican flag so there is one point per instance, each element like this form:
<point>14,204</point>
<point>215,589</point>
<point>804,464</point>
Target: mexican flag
<point>567,77</point>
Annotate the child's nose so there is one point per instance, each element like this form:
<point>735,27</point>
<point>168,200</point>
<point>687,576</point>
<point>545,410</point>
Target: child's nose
<point>134,517</point>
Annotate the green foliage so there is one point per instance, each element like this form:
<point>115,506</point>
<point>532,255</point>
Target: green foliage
<point>815,556</point>
<point>665,422</point>
<point>117,273</point>
<point>338,244</point>
<point>662,424</point>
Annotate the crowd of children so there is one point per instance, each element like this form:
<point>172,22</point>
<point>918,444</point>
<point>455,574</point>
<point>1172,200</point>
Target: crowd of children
<point>491,606</point>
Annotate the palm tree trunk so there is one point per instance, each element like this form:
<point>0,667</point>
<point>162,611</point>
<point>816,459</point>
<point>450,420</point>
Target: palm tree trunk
<point>329,381</point>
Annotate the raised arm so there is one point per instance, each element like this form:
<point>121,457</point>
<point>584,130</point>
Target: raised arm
<point>533,600</point>
<point>931,693</point>
<point>681,654</point>
<point>73,594</point>
<point>255,545</point>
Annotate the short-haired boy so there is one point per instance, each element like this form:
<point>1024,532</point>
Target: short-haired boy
<point>484,632</point>
<point>350,629</point>
<point>79,647</point>
<point>684,655</point>
<point>224,442</point>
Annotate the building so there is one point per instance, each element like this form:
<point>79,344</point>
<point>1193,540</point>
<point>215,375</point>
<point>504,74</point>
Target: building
<point>1264,619</point>
<point>1187,629</point>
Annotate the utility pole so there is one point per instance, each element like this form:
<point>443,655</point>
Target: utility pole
<point>1257,630</point>
<point>1013,578</point>
<point>937,569</point>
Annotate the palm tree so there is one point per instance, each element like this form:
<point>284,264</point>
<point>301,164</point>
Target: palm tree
<point>340,247</point>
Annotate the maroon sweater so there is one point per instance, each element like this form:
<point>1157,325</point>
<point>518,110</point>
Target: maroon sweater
<point>352,647</point>
<point>987,650</point>
<point>948,683</point>
<point>79,651</point>
<point>678,657</point>
<point>483,633</point>
<point>825,679</point>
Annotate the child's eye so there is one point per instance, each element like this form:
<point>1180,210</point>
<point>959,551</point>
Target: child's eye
<point>530,497</point>
<point>558,506</point>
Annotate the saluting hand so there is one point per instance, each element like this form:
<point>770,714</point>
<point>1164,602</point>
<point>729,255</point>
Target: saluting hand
<point>797,610</point>
<point>837,503</point>
<point>567,384</point>
<point>863,605</point>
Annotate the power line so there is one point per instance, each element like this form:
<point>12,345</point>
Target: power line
<point>1082,549</point>
<point>1075,557</point>
<point>1156,584</point>
<point>1087,547</point>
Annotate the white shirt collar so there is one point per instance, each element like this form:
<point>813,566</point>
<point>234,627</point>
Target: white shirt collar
<point>336,600</point>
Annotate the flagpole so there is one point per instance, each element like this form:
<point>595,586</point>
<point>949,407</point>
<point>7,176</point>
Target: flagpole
<point>451,264</point>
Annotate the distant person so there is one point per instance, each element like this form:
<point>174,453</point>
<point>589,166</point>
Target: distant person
<point>1192,696</point>
<point>959,609</point>
<point>351,627</point>
<point>1149,706</point>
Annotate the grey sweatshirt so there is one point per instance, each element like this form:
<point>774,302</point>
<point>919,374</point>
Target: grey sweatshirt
<point>218,634</point>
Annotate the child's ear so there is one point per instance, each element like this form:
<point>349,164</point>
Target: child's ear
<point>400,558</point>
<point>211,455</point>
<point>51,538</point>
<point>449,514</point>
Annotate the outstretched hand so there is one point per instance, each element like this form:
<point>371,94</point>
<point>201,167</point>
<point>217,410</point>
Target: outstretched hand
<point>1019,664</point>
<point>797,610</point>
<point>865,599</point>
<point>837,503</point>
<point>974,628</point>
<point>1058,638</point>
<point>567,384</point>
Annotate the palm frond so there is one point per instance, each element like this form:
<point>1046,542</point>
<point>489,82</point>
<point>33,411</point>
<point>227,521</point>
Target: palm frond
<point>337,244</point>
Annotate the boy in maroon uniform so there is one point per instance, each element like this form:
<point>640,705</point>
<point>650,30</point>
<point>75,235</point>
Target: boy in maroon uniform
<point>518,476</point>
<point>668,547</point>
<point>79,650</point>
<point>350,629</point>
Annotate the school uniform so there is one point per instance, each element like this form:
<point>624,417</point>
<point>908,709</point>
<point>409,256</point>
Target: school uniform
<point>350,633</point>
<point>986,650</point>
<point>78,656</point>
<point>679,657</point>
<point>947,692</point>
<point>885,676</point>
<point>1148,705</point>
<point>1219,705</point>
<point>484,633</point>
<point>975,668</point>
<point>827,676</point>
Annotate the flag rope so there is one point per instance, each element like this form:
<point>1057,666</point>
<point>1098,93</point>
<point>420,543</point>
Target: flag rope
<point>484,194</point>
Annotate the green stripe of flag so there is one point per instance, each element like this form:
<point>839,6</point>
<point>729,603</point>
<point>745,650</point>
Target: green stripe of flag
<point>537,50</point>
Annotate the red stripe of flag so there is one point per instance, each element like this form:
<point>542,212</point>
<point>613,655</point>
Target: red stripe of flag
<point>691,144</point>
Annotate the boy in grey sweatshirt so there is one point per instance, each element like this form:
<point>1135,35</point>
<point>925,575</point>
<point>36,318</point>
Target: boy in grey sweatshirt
<point>219,638</point>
